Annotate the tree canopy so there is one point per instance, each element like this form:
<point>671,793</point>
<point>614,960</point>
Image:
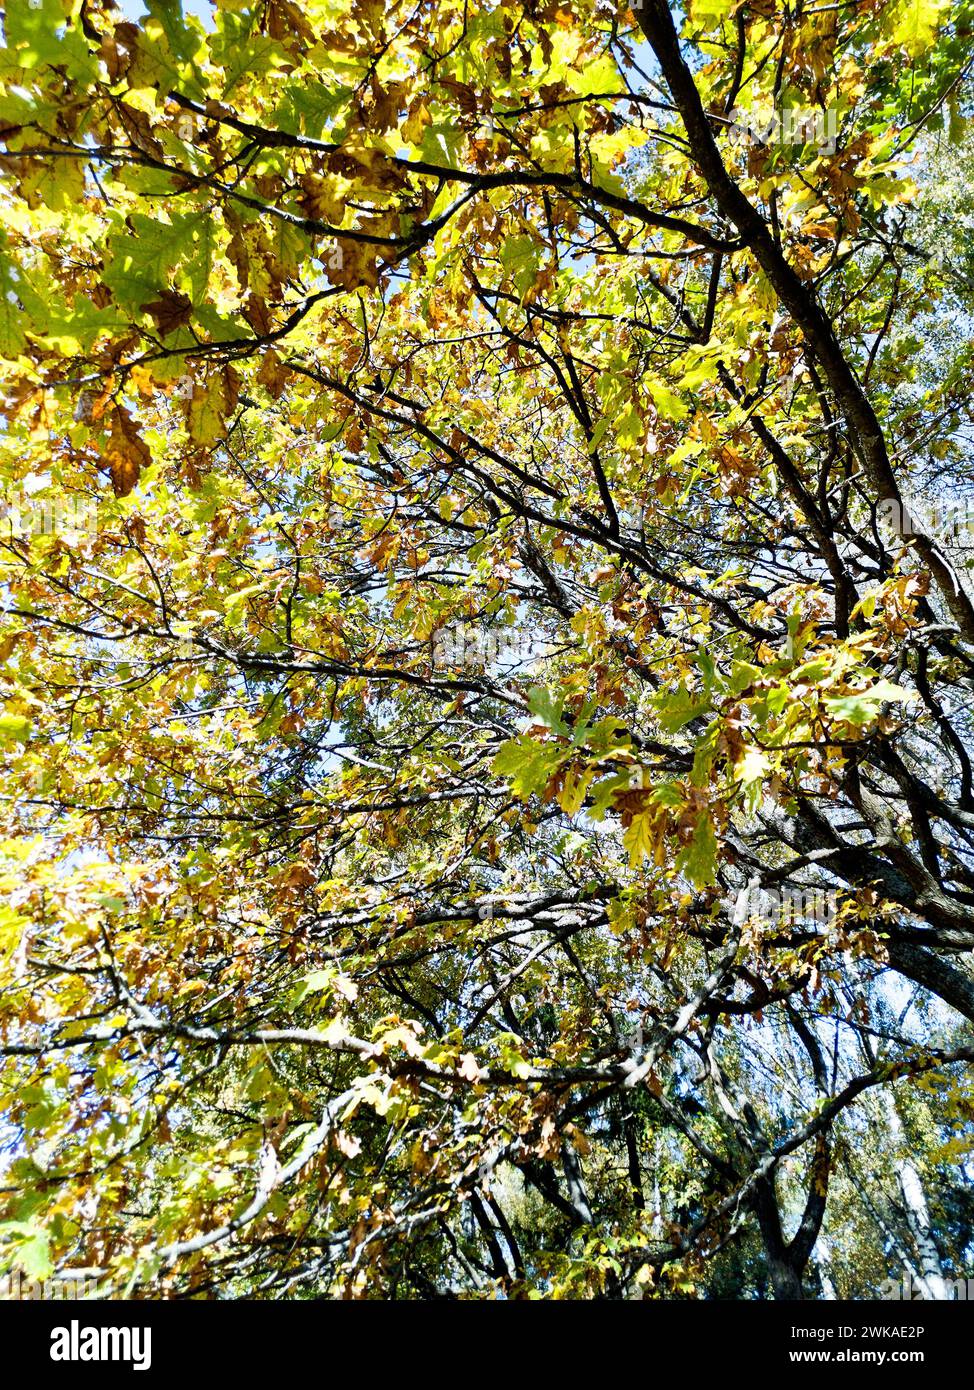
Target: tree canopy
<point>486,646</point>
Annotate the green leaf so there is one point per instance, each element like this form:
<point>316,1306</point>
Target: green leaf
<point>528,764</point>
<point>547,709</point>
<point>32,1251</point>
<point>678,707</point>
<point>39,32</point>
<point>519,257</point>
<point>864,706</point>
<point>143,256</point>
<point>14,728</point>
<point>699,859</point>
<point>668,403</point>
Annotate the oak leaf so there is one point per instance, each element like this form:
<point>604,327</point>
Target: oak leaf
<point>126,452</point>
<point>170,311</point>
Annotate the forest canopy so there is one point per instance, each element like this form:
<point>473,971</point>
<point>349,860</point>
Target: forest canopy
<point>487,647</point>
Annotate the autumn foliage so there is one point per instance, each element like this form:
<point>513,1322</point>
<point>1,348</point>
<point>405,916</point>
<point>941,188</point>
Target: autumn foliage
<point>485,738</point>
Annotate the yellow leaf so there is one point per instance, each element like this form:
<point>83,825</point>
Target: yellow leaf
<point>211,403</point>
<point>416,122</point>
<point>916,22</point>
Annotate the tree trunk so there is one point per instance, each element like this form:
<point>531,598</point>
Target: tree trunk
<point>917,1211</point>
<point>785,1277</point>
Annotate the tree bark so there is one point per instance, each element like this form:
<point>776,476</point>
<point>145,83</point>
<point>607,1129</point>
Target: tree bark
<point>917,1211</point>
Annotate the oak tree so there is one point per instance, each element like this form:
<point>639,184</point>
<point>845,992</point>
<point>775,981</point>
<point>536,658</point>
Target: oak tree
<point>486,645</point>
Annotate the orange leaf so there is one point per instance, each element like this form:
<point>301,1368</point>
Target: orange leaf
<point>126,452</point>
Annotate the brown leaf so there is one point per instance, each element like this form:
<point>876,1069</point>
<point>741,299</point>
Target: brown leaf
<point>286,23</point>
<point>272,375</point>
<point>170,311</point>
<point>257,314</point>
<point>299,876</point>
<point>211,403</point>
<point>464,94</point>
<point>237,253</point>
<point>385,103</point>
<point>351,264</point>
<point>118,49</point>
<point>468,1067</point>
<point>138,128</point>
<point>126,452</point>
